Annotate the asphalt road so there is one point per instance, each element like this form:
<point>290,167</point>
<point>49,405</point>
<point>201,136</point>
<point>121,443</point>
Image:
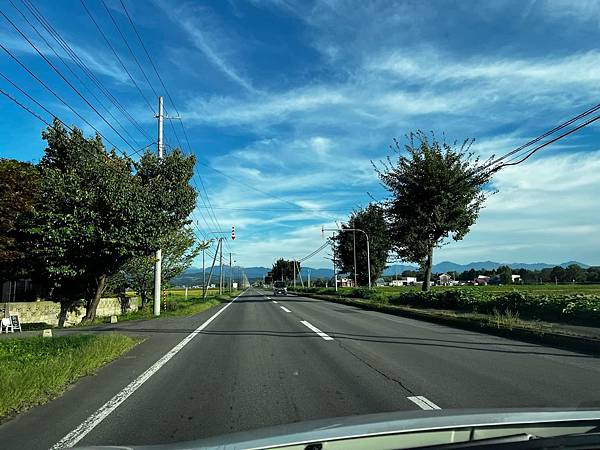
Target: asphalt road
<point>267,360</point>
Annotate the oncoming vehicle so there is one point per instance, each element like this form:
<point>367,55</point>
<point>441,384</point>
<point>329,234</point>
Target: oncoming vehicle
<point>279,288</point>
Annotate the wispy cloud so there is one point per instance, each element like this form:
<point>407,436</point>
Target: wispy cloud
<point>202,36</point>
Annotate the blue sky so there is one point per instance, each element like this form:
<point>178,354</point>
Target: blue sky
<point>296,98</point>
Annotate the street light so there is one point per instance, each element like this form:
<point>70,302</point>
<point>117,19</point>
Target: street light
<point>368,249</point>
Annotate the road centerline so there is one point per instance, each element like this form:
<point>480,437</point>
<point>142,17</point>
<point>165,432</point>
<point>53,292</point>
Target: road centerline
<point>316,330</point>
<point>285,309</point>
<point>105,410</point>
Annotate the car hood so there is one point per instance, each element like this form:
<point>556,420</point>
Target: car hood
<point>373,425</point>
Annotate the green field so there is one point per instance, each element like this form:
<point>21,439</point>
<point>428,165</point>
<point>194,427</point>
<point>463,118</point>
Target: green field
<point>35,369</point>
<point>577,304</point>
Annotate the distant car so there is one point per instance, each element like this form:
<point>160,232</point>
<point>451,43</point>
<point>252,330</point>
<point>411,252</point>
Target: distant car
<point>279,288</point>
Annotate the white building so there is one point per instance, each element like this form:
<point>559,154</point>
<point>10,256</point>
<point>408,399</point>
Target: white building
<point>404,281</point>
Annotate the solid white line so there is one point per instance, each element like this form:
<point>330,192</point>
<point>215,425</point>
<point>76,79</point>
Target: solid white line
<point>423,402</point>
<point>316,330</point>
<point>285,309</point>
<point>104,411</point>
<point>274,301</point>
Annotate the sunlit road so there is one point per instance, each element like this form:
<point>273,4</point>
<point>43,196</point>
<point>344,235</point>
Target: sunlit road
<point>268,360</point>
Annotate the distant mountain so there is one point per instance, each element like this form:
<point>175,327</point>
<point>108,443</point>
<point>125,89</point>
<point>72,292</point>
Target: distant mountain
<point>193,275</point>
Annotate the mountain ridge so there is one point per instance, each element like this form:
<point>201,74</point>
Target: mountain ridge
<point>193,274</point>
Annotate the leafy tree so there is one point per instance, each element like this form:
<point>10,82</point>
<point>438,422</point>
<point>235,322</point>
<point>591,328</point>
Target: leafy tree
<point>372,221</point>
<point>505,274</point>
<point>284,269</point>
<point>178,252</point>
<point>19,193</point>
<point>436,192</point>
<point>409,273</point>
<point>100,209</point>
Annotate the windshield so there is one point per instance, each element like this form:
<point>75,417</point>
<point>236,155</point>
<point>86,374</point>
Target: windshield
<point>222,216</point>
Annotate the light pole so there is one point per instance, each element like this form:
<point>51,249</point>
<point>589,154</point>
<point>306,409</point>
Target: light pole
<point>368,248</point>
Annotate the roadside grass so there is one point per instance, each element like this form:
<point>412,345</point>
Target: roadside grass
<point>34,369</point>
<point>173,304</point>
<point>553,303</point>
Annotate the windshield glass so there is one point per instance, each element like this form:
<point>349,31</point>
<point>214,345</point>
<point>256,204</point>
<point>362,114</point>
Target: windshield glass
<point>221,216</point>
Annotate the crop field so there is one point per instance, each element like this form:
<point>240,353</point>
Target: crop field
<point>578,304</point>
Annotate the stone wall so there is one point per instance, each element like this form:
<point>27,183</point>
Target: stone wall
<point>48,312</point>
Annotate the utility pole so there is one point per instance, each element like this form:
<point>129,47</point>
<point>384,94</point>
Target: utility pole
<point>368,247</point>
<point>230,274</point>
<point>294,273</point>
<point>221,270</point>
<point>158,262</point>
<point>308,277</point>
<point>354,249</point>
<point>203,276</point>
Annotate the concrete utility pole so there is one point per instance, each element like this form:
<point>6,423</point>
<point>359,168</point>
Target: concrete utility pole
<point>158,262</point>
<point>230,274</point>
<point>221,269</point>
<point>294,273</point>
<point>354,249</point>
<point>368,247</point>
<point>203,276</point>
<point>308,277</point>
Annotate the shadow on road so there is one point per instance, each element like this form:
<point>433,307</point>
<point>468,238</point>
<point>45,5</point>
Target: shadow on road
<point>482,346</point>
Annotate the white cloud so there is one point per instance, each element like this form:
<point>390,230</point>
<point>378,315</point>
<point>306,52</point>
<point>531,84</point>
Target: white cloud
<point>95,59</point>
<point>205,39</point>
<point>545,210</point>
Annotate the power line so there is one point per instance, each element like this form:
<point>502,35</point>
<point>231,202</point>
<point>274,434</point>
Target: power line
<point>63,78</point>
<point>58,97</point>
<point>128,47</point>
<point>283,209</point>
<point>72,72</point>
<point>116,55</point>
<point>572,130</point>
<point>79,62</point>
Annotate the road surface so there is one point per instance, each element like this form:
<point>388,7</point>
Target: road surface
<point>265,360</point>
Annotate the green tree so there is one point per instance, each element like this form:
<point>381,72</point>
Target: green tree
<point>505,274</point>
<point>179,249</point>
<point>372,221</point>
<point>436,192</point>
<point>284,269</point>
<point>100,209</point>
<point>19,193</point>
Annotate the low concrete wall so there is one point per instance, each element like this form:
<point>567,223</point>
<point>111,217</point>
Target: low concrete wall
<point>48,312</point>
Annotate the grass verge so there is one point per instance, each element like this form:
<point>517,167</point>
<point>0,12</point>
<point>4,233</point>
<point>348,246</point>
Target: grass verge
<point>506,323</point>
<point>33,370</point>
<point>173,305</point>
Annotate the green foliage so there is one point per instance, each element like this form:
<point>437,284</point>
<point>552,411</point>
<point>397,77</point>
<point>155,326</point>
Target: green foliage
<point>505,274</point>
<point>179,249</point>
<point>33,370</point>
<point>372,221</point>
<point>284,269</point>
<point>551,305</point>
<point>99,210</point>
<point>19,193</point>
<point>436,193</point>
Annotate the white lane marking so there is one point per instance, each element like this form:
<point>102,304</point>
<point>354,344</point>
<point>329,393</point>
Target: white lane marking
<point>274,301</point>
<point>104,411</point>
<point>316,330</point>
<point>285,309</point>
<point>423,402</point>
<point>268,298</point>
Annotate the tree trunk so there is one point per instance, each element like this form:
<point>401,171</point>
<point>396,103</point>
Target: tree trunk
<point>144,298</point>
<point>90,313</point>
<point>64,310</point>
<point>428,265</point>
